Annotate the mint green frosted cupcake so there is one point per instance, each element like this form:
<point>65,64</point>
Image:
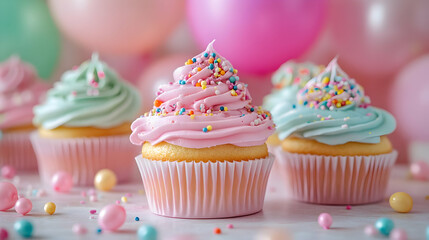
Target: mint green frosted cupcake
<point>84,124</point>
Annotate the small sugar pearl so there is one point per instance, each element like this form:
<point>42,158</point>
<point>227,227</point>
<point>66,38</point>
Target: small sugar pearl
<point>50,208</point>
<point>370,230</point>
<point>230,226</point>
<point>93,211</point>
<point>124,199</point>
<point>325,220</point>
<point>217,231</point>
<point>79,229</point>
<point>93,198</point>
<point>217,92</point>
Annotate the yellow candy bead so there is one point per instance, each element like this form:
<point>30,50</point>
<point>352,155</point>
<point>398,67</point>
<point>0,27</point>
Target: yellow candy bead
<point>192,116</point>
<point>209,127</point>
<point>325,80</point>
<point>401,202</point>
<point>225,109</point>
<point>105,180</point>
<point>50,208</point>
<point>338,105</point>
<point>204,87</point>
<point>203,83</point>
<point>124,199</point>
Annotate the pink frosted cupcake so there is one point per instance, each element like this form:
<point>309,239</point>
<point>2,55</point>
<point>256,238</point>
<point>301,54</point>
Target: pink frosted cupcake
<point>20,91</point>
<point>204,153</point>
<point>84,124</point>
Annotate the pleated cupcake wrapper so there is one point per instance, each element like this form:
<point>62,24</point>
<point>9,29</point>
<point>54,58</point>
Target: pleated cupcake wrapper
<point>84,157</point>
<point>338,179</point>
<point>16,150</point>
<point>205,190</point>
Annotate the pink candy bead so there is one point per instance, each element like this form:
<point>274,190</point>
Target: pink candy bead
<point>111,217</point>
<point>23,206</point>
<point>93,198</point>
<point>420,170</point>
<point>370,230</point>
<point>8,172</point>
<point>62,182</point>
<point>398,234</point>
<point>79,229</point>
<point>93,211</point>
<point>9,195</point>
<point>325,220</point>
<point>3,234</point>
<point>230,226</point>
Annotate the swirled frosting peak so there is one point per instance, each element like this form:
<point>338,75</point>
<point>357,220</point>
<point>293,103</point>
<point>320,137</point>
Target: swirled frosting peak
<point>206,105</point>
<point>20,91</point>
<point>333,109</point>
<point>333,90</point>
<point>91,95</point>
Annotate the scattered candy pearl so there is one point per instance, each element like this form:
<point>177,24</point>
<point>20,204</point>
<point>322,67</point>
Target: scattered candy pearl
<point>9,195</point>
<point>8,172</point>
<point>41,193</point>
<point>105,180</point>
<point>128,195</point>
<point>24,228</point>
<point>401,202</point>
<point>91,192</point>
<point>273,234</point>
<point>82,202</point>
<point>348,207</point>
<point>79,229</point>
<point>147,232</point>
<point>137,219</point>
<point>93,198</point>
<point>118,202</point>
<point>217,231</point>
<point>398,234</point>
<point>50,208</point>
<point>384,226</point>
<point>325,220</point>
<point>230,226</point>
<point>3,234</point>
<point>62,182</point>
<point>23,206</point>
<point>124,199</point>
<point>111,217</point>
<point>93,211</point>
<point>99,230</point>
<point>420,170</point>
<point>83,193</point>
<point>370,230</point>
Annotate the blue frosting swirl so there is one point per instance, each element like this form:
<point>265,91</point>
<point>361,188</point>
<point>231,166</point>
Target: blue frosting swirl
<point>329,126</point>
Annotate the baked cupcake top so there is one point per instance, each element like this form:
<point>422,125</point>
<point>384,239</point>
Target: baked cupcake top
<point>91,95</point>
<point>20,91</point>
<point>333,109</point>
<point>206,105</point>
<point>287,81</point>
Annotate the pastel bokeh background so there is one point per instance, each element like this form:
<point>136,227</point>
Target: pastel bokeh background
<point>384,45</point>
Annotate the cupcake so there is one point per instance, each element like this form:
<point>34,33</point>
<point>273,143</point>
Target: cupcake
<point>334,144</point>
<point>20,91</point>
<point>84,124</point>
<point>287,81</point>
<point>204,153</point>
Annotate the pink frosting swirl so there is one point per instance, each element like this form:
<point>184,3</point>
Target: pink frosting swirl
<point>20,91</point>
<point>207,105</point>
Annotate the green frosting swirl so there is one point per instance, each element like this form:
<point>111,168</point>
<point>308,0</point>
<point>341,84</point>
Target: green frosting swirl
<point>92,95</point>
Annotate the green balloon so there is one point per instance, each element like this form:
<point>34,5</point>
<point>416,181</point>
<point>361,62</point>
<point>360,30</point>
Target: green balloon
<point>27,30</point>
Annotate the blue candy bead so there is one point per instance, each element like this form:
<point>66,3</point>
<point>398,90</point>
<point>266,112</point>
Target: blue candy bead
<point>213,55</point>
<point>24,228</point>
<point>211,66</point>
<point>232,79</point>
<point>384,226</point>
<point>206,54</point>
<point>147,232</point>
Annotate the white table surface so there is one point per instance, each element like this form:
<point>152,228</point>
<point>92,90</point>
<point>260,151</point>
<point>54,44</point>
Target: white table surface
<point>279,211</point>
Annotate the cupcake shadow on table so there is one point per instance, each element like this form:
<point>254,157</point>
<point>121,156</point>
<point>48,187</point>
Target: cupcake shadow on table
<point>334,148</point>
<point>20,91</point>
<point>84,124</point>
<point>204,153</point>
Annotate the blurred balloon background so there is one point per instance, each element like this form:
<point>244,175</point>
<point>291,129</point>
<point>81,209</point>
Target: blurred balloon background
<point>384,45</point>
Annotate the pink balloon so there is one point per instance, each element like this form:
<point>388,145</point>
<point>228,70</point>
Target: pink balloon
<point>410,100</point>
<point>128,67</point>
<point>111,217</point>
<point>23,206</point>
<point>257,36</point>
<point>62,182</point>
<point>158,73</point>
<point>9,195</point>
<point>117,27</point>
<point>378,37</point>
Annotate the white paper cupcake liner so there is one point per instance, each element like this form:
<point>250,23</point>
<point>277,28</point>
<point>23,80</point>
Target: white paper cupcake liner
<point>16,150</point>
<point>205,190</point>
<point>338,179</point>
<point>84,157</point>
